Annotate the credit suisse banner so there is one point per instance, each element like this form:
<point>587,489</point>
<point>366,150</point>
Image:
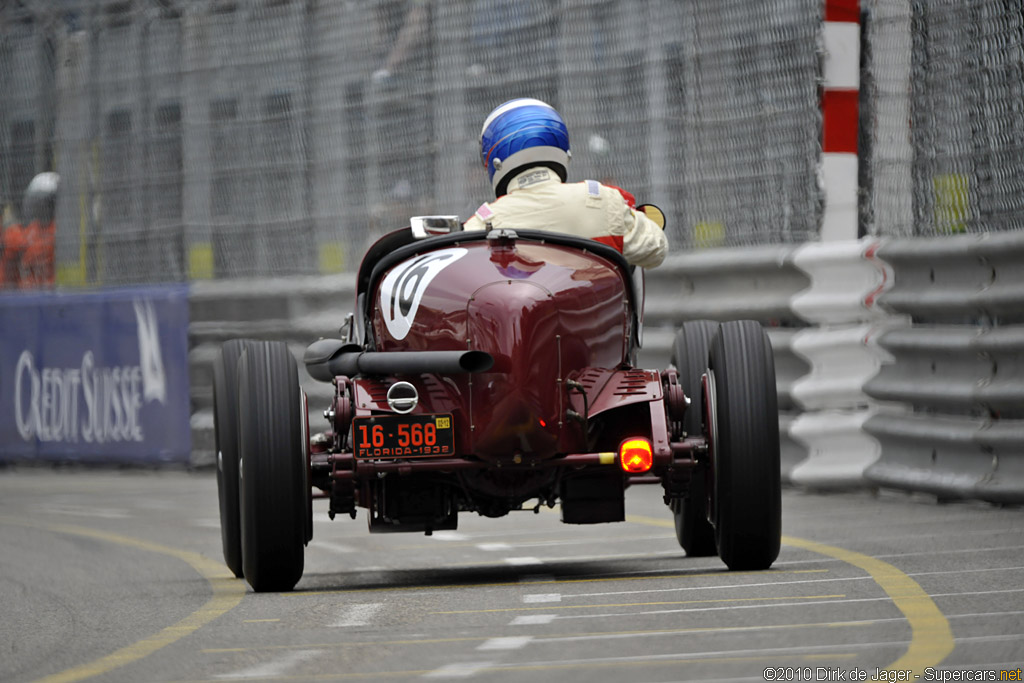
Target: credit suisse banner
<point>96,376</point>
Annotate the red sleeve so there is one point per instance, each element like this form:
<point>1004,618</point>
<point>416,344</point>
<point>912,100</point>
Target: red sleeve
<point>628,196</point>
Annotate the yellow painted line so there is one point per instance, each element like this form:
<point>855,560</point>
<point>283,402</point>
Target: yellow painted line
<point>643,604</point>
<point>517,584</point>
<point>227,593</point>
<point>931,638</point>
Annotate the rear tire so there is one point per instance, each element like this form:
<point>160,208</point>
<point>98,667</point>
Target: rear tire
<point>273,487</point>
<point>747,500</point>
<point>690,356</point>
<point>225,429</point>
<point>693,530</point>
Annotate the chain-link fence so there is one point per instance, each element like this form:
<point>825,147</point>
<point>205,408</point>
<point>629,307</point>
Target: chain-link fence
<point>944,126</point>
<point>227,138</point>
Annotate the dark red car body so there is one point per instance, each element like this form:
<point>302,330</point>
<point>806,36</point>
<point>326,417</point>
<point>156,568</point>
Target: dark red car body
<point>558,316</point>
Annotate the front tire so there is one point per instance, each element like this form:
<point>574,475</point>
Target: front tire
<point>690,356</point>
<point>273,487</point>
<point>747,501</point>
<point>225,429</point>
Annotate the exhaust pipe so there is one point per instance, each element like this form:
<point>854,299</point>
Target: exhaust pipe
<point>325,359</point>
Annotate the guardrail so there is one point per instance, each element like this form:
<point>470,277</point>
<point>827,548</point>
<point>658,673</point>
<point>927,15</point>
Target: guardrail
<point>962,279</point>
<point>914,352</point>
<point>747,283</point>
<point>958,374</point>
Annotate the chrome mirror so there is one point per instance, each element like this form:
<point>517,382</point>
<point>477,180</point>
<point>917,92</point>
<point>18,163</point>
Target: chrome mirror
<point>429,226</point>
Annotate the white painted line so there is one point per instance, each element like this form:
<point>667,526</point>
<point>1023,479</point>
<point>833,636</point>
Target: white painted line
<point>677,552</point>
<point>787,563</point>
<point>674,554</point>
<point>677,572</point>
<point>532,619</point>
<point>668,540</point>
<point>836,601</point>
<point>506,643</point>
<point>675,633</point>
<point>543,597</point>
<point>449,536</point>
<point>84,511</point>
<point>522,561</point>
<point>967,571</point>
<point>273,668</point>
<point>956,595</point>
<point>1011,637</point>
<point>459,670</point>
<point>824,560</point>
<point>493,547</point>
<point>724,587</point>
<point>954,552</point>
<point>986,615</point>
<point>719,609</point>
<point>537,578</point>
<point>787,651</point>
<point>358,614</point>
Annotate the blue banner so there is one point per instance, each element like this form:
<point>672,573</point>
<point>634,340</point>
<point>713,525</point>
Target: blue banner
<point>96,376</point>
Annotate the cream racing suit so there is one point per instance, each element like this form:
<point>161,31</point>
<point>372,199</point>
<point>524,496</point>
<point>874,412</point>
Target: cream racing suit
<point>537,199</point>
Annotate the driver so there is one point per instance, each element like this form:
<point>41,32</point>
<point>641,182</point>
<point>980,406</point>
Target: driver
<point>524,145</point>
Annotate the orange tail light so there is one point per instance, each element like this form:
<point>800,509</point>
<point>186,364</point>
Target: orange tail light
<point>636,455</point>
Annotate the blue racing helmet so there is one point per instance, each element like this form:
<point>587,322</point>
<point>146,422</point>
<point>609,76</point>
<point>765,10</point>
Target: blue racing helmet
<point>519,134</point>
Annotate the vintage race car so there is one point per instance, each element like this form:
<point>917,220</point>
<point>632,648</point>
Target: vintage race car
<point>492,372</point>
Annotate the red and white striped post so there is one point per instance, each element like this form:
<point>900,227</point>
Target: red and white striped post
<point>841,38</point>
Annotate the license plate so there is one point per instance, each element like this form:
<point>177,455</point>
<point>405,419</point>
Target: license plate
<point>403,436</point>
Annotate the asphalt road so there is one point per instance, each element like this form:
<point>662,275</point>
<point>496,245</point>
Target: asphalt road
<point>118,576</point>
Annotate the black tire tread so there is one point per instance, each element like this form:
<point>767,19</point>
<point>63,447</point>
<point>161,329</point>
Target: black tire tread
<point>225,428</point>
<point>273,485</point>
<point>748,505</point>
<point>690,356</point>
